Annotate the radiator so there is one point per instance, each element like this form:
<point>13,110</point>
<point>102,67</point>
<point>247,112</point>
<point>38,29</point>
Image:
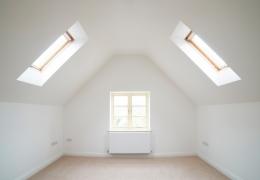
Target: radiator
<point>129,142</point>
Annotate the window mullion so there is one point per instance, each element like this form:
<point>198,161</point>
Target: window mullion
<point>130,122</point>
<point>143,118</point>
<point>112,110</point>
<point>146,110</point>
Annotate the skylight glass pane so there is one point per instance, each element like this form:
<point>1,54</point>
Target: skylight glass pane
<point>209,52</point>
<point>52,51</point>
<point>55,56</point>
<point>203,56</point>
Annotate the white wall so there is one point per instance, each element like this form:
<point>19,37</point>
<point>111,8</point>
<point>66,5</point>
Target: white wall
<point>26,134</point>
<point>233,136</point>
<point>86,116</point>
<point>232,131</point>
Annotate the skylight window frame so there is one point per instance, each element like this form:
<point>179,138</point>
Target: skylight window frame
<point>189,38</point>
<point>69,39</point>
<point>203,55</point>
<point>53,58</point>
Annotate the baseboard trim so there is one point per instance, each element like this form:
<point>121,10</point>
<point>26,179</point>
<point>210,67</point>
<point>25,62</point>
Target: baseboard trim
<point>226,172</point>
<point>173,154</point>
<point>41,166</point>
<point>33,171</point>
<point>92,154</point>
<point>86,154</point>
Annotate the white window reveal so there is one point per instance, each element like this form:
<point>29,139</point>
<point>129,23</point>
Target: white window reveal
<point>129,111</point>
<point>203,56</point>
<point>54,56</point>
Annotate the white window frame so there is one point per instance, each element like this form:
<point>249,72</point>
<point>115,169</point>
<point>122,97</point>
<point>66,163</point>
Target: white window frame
<point>130,94</point>
<point>53,58</point>
<point>203,55</point>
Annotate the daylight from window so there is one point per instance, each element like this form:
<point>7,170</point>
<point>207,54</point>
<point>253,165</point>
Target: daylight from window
<point>129,111</point>
<point>53,58</point>
<point>203,55</point>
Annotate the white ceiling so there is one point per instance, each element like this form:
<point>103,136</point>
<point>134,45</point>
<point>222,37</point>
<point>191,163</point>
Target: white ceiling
<point>231,27</point>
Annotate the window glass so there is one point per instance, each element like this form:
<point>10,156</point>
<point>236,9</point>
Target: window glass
<point>138,111</point>
<point>138,100</point>
<point>120,100</point>
<point>120,111</point>
<point>129,111</point>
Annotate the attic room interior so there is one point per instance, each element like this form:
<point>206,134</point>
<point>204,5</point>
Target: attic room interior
<point>129,89</point>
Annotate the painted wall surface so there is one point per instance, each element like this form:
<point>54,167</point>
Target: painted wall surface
<point>229,138</point>
<point>86,116</point>
<point>26,134</point>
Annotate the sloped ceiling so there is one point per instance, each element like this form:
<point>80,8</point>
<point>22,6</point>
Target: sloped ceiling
<point>231,27</point>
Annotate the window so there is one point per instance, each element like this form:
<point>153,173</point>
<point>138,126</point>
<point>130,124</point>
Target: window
<point>55,56</point>
<point>60,44</point>
<point>206,51</point>
<point>129,111</point>
<point>203,56</point>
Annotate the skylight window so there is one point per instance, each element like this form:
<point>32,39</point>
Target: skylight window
<point>60,44</point>
<point>203,56</point>
<point>55,56</point>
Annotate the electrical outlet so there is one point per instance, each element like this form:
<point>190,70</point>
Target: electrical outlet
<point>54,143</point>
<point>204,143</point>
<point>68,139</point>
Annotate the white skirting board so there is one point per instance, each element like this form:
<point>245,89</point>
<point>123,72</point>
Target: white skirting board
<point>151,155</point>
<point>129,142</point>
<point>225,171</point>
<point>39,167</point>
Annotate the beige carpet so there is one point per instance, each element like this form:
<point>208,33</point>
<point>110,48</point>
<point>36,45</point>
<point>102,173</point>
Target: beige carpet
<point>119,168</point>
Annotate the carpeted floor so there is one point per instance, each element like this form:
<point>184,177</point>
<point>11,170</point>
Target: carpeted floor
<point>123,168</point>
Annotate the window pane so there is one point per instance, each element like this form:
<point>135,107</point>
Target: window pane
<point>120,111</point>
<point>120,100</point>
<point>138,111</point>
<point>129,114</point>
<point>121,122</point>
<point>139,122</point>
<point>138,100</point>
